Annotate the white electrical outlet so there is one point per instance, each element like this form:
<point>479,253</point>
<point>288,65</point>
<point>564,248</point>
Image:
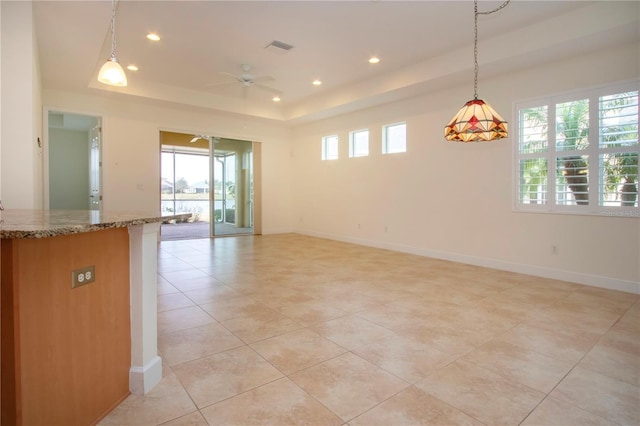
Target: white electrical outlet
<point>83,276</point>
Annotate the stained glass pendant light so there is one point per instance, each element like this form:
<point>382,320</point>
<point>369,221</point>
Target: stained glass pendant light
<point>476,121</point>
<point>111,72</point>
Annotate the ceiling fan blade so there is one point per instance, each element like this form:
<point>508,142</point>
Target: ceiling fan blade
<point>263,79</point>
<point>246,80</point>
<point>223,83</point>
<point>228,74</point>
<point>229,79</point>
<point>267,89</point>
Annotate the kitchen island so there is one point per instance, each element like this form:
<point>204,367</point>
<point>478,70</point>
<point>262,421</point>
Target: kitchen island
<point>78,310</point>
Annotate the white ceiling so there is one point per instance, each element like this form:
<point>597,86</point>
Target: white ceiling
<point>423,45</point>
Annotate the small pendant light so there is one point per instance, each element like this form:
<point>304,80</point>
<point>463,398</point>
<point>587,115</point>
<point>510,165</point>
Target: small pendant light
<point>476,121</point>
<point>111,72</point>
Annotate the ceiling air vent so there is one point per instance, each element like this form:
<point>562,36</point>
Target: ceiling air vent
<point>277,46</point>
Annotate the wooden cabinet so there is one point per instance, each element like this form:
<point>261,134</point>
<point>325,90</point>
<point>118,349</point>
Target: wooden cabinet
<point>66,352</point>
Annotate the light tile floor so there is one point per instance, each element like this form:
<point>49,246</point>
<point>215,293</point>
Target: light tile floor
<point>290,329</point>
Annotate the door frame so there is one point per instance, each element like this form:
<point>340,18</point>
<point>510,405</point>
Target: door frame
<point>256,152</point>
<point>45,149</point>
<point>256,174</point>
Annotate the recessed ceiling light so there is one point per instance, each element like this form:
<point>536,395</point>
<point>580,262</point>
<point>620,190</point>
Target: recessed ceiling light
<point>374,60</point>
<point>132,67</point>
<point>316,82</point>
<point>276,99</point>
<point>153,37</point>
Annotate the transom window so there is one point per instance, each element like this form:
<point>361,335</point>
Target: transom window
<point>394,138</point>
<point>578,153</point>
<point>330,147</point>
<point>359,143</point>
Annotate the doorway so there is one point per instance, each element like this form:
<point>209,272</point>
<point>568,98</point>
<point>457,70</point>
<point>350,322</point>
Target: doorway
<point>233,187</point>
<point>74,162</point>
<point>213,179</point>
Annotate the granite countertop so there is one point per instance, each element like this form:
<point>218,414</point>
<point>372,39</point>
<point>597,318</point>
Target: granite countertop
<point>50,223</point>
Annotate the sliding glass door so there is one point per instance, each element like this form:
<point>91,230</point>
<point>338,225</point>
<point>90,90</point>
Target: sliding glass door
<point>185,189</point>
<point>232,163</point>
<point>213,179</point>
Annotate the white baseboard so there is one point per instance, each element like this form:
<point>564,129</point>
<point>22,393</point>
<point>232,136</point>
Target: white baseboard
<point>143,378</point>
<point>539,271</point>
<point>272,231</point>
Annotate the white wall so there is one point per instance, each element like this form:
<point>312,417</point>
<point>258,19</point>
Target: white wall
<point>131,150</point>
<point>440,199</point>
<point>0,141</point>
<point>453,200</point>
<point>0,104</point>
<point>21,164</point>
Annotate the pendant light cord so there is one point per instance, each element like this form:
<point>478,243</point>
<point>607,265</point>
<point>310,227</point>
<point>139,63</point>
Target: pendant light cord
<point>476,68</point>
<point>113,30</point>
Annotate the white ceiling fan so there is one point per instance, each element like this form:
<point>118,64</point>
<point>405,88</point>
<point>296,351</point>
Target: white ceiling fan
<point>198,137</point>
<point>246,80</point>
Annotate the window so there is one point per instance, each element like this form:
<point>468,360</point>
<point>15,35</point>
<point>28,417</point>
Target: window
<point>394,138</point>
<point>330,148</point>
<point>578,153</point>
<point>184,182</point>
<point>359,143</point>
